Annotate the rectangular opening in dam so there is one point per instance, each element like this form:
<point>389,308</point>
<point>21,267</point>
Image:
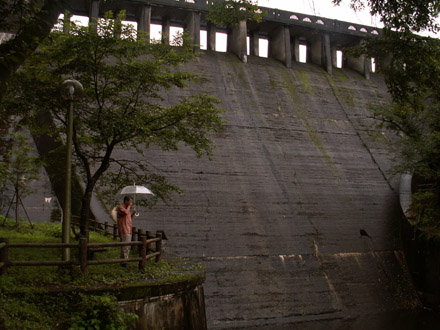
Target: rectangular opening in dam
<point>77,19</point>
<point>339,58</point>
<point>155,32</point>
<point>221,41</point>
<point>203,39</point>
<point>175,32</point>
<point>263,47</point>
<point>303,53</point>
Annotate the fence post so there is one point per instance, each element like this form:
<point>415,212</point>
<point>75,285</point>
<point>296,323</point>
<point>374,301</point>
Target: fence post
<point>115,231</point>
<point>4,259</point>
<point>83,254</point>
<point>106,228</point>
<point>133,234</point>
<point>95,225</point>
<point>149,235</point>
<point>140,235</point>
<point>159,246</point>
<point>143,253</point>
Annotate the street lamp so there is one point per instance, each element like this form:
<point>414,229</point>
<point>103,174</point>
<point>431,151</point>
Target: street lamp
<point>71,86</point>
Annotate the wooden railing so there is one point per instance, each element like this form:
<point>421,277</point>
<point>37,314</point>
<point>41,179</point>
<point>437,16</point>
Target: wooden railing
<point>97,226</point>
<point>110,228</point>
<point>144,245</point>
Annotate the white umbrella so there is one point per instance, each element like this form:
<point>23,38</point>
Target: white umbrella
<point>139,192</point>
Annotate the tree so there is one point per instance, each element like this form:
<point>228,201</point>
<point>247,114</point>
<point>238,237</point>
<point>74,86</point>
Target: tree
<point>18,168</point>
<point>412,75</point>
<point>413,15</point>
<point>125,80</point>
<point>231,12</point>
<point>31,22</point>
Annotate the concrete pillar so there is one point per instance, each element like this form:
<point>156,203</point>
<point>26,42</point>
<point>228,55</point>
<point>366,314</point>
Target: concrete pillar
<point>279,46</point>
<point>166,29</point>
<point>237,41</point>
<point>255,43</point>
<point>66,25</point>
<point>360,64</point>
<point>94,12</point>
<point>144,21</point>
<point>334,50</point>
<point>296,49</point>
<point>192,27</point>
<point>367,70</point>
<point>212,29</point>
<point>328,54</point>
<point>316,50</point>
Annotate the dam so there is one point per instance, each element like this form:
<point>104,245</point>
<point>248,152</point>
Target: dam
<point>295,216</point>
<point>276,215</point>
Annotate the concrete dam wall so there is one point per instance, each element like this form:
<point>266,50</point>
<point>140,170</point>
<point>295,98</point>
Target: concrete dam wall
<point>275,215</point>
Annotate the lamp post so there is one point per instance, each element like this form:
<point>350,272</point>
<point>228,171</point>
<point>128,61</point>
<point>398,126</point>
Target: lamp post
<point>71,86</point>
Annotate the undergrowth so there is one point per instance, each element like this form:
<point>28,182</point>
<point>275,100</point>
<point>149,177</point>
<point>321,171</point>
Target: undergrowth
<point>36,297</point>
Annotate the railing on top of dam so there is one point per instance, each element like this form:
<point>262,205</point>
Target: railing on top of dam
<point>276,15</point>
<point>286,32</point>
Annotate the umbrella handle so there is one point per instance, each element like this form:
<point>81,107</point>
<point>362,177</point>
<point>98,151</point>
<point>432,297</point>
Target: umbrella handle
<point>134,205</point>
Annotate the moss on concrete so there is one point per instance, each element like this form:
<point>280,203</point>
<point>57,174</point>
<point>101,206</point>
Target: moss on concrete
<point>300,109</point>
<point>305,80</point>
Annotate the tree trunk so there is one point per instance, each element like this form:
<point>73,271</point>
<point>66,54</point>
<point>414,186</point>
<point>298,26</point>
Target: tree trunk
<point>17,199</point>
<point>85,211</point>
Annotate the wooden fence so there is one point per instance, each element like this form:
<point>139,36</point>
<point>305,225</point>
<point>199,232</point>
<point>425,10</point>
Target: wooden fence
<point>144,245</point>
<point>110,228</point>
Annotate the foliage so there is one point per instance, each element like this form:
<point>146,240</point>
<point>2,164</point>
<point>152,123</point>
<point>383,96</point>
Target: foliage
<point>19,167</point>
<point>412,73</point>
<point>125,81</point>
<point>426,205</point>
<point>98,312</point>
<point>24,296</point>
<point>31,21</point>
<point>36,309</point>
<point>409,15</point>
<point>231,12</point>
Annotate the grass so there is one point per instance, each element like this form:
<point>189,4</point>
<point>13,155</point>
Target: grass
<point>24,290</point>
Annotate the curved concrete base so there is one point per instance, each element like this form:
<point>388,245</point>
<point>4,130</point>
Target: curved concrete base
<point>166,306</point>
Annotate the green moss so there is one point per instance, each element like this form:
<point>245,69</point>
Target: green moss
<point>340,75</point>
<point>305,80</point>
<point>344,94</point>
<point>291,88</point>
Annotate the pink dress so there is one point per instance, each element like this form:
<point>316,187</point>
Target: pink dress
<point>124,220</point>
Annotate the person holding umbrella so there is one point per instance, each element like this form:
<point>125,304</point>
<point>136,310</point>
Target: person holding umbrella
<point>125,225</point>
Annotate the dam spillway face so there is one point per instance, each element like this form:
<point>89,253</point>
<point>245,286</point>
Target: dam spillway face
<point>276,215</point>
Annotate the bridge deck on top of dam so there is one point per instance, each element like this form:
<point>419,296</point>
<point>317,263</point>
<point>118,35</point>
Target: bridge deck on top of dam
<point>177,10</point>
<point>285,31</point>
<point>276,215</point>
